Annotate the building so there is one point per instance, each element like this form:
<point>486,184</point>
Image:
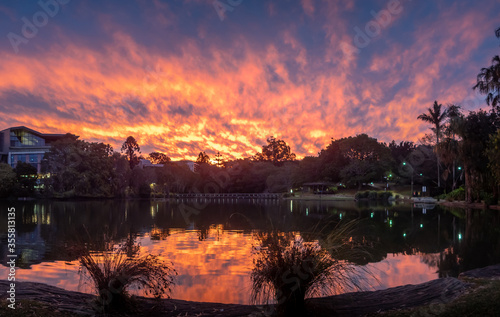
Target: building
<point>25,145</point>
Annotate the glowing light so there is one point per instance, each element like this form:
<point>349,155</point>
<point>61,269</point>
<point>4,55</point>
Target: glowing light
<point>371,215</point>
<point>421,225</point>
<point>404,234</point>
<point>459,236</point>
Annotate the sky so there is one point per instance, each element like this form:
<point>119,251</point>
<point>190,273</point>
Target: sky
<point>224,75</point>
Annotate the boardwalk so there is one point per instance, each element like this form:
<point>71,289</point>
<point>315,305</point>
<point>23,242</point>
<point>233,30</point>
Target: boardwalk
<point>228,195</point>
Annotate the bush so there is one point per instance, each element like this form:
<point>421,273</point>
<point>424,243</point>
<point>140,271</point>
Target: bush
<point>361,195</point>
<point>116,268</point>
<point>488,199</point>
<point>372,195</point>
<point>457,194</point>
<point>287,270</point>
<point>384,196</point>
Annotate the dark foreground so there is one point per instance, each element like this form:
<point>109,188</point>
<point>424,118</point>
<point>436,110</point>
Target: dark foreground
<point>59,302</point>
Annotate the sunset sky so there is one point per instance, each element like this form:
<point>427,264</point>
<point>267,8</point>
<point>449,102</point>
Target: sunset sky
<point>204,75</point>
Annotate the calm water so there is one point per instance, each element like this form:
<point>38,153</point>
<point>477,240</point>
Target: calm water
<point>210,242</point>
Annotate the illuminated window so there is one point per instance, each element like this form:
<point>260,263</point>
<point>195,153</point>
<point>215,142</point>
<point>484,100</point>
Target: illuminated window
<point>22,138</point>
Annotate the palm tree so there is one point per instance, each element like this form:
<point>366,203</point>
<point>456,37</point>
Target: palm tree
<point>488,80</point>
<point>437,118</point>
<point>448,147</point>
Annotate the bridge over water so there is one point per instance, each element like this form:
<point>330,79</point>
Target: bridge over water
<point>228,195</point>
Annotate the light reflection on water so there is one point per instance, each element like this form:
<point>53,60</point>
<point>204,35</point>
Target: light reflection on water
<point>213,253</point>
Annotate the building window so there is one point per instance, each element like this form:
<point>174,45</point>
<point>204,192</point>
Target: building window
<point>22,138</point>
<point>33,158</point>
<point>21,158</point>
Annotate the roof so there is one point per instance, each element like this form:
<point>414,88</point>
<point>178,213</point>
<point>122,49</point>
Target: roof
<point>49,136</point>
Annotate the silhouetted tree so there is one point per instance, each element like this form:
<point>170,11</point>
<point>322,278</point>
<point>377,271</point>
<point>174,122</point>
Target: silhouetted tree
<point>367,159</point>
<point>437,118</point>
<point>488,80</point>
<point>158,158</point>
<point>276,151</point>
<point>475,131</point>
<point>218,159</point>
<point>26,175</point>
<point>203,158</point>
<point>131,148</point>
<point>7,180</point>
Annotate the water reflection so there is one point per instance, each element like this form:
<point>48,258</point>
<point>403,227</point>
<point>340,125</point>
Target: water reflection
<point>210,243</point>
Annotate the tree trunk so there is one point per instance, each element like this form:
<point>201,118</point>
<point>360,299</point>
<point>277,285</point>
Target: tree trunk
<point>437,154</point>
<point>468,185</point>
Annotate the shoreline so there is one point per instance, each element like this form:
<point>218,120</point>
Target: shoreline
<point>438,291</point>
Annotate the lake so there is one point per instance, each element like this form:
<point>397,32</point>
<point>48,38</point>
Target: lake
<point>211,242</point>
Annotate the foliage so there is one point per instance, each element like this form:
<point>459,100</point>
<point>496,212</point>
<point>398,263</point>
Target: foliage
<point>474,131</point>
<point>276,151</point>
<point>437,118</point>
<point>203,158</point>
<point>373,195</point>
<point>26,175</point>
<point>400,152</point>
<point>7,180</point>
<point>131,148</point>
<point>493,153</point>
<point>158,158</point>
<point>488,82</point>
<point>118,267</point>
<point>287,270</point>
<point>457,194</point>
<point>218,159</point>
<point>80,167</point>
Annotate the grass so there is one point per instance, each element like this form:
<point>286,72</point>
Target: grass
<point>287,269</point>
<point>118,267</point>
<point>29,308</point>
<point>482,300</point>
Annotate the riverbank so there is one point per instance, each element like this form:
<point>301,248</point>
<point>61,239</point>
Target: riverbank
<point>435,294</point>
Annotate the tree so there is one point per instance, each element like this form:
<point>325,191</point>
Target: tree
<point>158,158</point>
<point>367,159</point>
<point>475,131</point>
<point>437,118</point>
<point>332,161</point>
<point>26,175</point>
<point>79,168</point>
<point>7,180</point>
<point>218,159</point>
<point>400,152</point>
<point>130,147</point>
<point>488,80</point>
<point>276,151</point>
<point>494,155</point>
<point>448,147</point>
<point>203,158</point>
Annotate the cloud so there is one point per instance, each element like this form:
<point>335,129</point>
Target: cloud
<point>181,81</point>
